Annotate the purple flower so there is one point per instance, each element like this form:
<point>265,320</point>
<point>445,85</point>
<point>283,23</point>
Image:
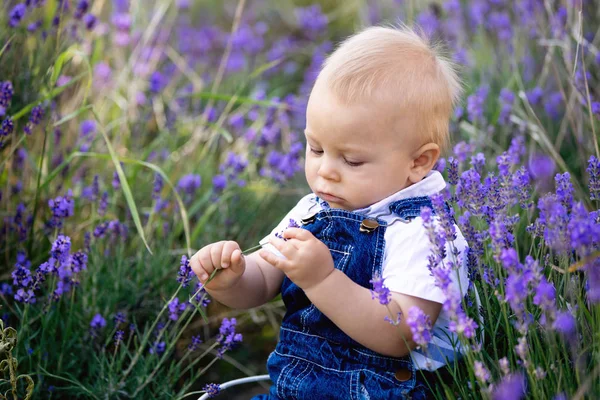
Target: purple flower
<point>116,181</point>
<point>534,96</point>
<point>98,322</point>
<point>541,166</point>
<point>565,324</point>
<point>219,183</point>
<point>119,337</point>
<point>420,326</point>
<point>176,308</point>
<point>195,343</point>
<point>119,318</point>
<point>481,372</point>
<point>189,183</point>
<point>16,15</point>
<point>89,21</point>
<point>81,8</point>
<point>6,93</point>
<point>37,113</point>
<point>6,128</point>
<point>452,171</point>
<point>87,127</point>
<point>380,291</point>
<point>103,204</point>
<point>201,295</point>
<point>476,104</point>
<point>157,82</point>
<point>158,186</point>
<point>545,295</point>
<point>593,171</point>
<point>158,348</point>
<point>61,207</point>
<point>102,74</point>
<point>312,21</point>
<point>507,98</point>
<point>185,272</point>
<point>212,389</point>
<point>227,337</point>
<point>463,150</point>
<point>512,387</point>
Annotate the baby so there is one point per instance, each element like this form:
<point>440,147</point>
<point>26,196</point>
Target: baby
<point>376,122</point>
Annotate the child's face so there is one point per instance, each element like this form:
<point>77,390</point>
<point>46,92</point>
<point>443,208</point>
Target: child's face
<point>356,155</point>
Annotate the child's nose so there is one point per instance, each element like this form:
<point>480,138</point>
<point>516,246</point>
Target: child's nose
<point>327,169</point>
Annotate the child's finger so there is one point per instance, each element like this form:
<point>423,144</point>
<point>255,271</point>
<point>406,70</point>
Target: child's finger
<point>201,264</point>
<point>272,259</point>
<point>228,249</point>
<point>237,261</point>
<point>215,254</point>
<point>297,233</point>
<point>285,248</point>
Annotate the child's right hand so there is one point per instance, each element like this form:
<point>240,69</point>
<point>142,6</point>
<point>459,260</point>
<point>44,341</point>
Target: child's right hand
<point>225,255</point>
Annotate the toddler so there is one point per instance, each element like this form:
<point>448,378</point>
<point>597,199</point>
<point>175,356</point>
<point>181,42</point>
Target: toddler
<point>376,122</point>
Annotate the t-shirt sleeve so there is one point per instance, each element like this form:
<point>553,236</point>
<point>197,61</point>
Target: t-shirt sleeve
<point>295,214</point>
<point>405,268</point>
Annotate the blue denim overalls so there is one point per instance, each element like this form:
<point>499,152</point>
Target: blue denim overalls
<point>314,359</point>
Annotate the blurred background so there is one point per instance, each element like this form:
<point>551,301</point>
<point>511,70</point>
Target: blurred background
<point>135,132</point>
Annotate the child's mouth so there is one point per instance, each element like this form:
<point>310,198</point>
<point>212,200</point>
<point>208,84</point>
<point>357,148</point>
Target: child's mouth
<point>329,197</point>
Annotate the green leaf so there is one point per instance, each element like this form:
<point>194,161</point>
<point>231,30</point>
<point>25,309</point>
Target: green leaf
<point>124,185</point>
<point>158,170</point>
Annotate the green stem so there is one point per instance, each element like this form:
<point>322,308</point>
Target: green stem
<point>37,192</point>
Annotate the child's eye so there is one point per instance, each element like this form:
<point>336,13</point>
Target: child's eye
<point>316,151</point>
<point>354,163</point>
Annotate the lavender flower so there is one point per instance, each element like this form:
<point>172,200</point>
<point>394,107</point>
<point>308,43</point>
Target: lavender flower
<point>81,8</point>
<point>227,337</point>
<point>481,372</point>
<point>184,275</point>
<point>420,326</point>
<point>380,291</point>
<point>593,171</point>
<point>511,387</point>
<point>89,21</point>
<point>158,348</point>
<point>119,318</point>
<point>61,207</point>
<point>6,128</point>
<point>507,99</point>
<point>98,322</point>
<point>565,324</point>
<point>219,183</point>
<point>176,308</point>
<point>158,185</point>
<point>201,295</point>
<point>212,389</point>
<point>195,343</point>
<point>6,94</point>
<point>103,204</point>
<point>189,184</point>
<point>476,104</point>
<point>119,337</point>
<point>37,113</point>
<point>16,15</point>
<point>312,21</point>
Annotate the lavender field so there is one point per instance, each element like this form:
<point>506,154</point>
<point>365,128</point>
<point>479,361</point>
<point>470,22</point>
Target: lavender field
<point>133,133</point>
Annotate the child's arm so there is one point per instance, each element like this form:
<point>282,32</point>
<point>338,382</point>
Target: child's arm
<point>351,307</point>
<point>243,282</point>
<point>308,263</point>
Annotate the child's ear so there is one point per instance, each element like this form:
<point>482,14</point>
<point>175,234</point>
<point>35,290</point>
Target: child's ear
<point>424,160</point>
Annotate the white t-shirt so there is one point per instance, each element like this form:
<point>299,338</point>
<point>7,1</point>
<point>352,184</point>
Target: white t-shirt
<point>405,261</point>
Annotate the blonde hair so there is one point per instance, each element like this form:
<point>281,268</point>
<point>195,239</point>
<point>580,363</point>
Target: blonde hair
<point>397,65</point>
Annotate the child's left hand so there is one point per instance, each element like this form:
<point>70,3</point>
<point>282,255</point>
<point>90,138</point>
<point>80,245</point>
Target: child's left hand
<point>308,259</point>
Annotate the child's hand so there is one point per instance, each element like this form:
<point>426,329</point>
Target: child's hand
<point>308,259</point>
<point>225,255</point>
